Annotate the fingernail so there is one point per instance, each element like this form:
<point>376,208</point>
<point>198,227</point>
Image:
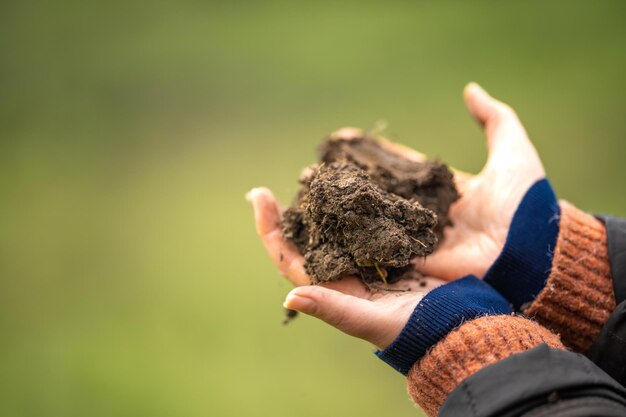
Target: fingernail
<point>295,301</point>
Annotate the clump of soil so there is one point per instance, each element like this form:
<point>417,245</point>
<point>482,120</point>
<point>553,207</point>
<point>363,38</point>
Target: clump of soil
<point>366,211</point>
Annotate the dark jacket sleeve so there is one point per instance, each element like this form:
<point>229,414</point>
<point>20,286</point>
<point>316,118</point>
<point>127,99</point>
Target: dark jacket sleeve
<point>550,382</point>
<point>609,349</point>
<point>538,382</point>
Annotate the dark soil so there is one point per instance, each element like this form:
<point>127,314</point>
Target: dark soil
<point>367,211</point>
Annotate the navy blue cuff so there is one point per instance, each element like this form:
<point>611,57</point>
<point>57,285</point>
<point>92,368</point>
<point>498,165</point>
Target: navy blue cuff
<point>440,311</point>
<point>521,270</point>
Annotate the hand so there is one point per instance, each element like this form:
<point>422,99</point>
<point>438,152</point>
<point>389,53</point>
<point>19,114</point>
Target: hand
<point>482,216</point>
<point>481,220</point>
<point>373,315</point>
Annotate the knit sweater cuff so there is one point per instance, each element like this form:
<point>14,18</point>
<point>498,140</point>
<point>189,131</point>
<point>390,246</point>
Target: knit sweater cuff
<point>466,350</point>
<point>520,271</point>
<point>578,297</point>
<point>440,311</point>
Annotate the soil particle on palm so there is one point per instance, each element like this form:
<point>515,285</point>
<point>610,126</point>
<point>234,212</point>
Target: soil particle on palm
<point>366,211</point>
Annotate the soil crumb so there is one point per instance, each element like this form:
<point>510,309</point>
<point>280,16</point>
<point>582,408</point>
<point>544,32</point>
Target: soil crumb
<point>365,210</point>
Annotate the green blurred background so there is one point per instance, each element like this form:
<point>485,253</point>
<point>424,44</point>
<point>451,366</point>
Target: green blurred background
<point>131,279</point>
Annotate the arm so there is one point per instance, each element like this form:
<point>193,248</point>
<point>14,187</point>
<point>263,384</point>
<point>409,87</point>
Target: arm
<point>464,354</point>
<point>482,219</point>
<point>464,357</point>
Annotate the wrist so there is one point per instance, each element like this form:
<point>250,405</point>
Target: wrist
<point>522,268</point>
<point>437,314</point>
<point>554,267</point>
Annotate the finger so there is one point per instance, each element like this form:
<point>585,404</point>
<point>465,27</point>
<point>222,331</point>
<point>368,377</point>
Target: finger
<point>462,252</point>
<point>438,264</point>
<point>499,121</point>
<point>350,285</point>
<point>347,133</point>
<point>460,177</point>
<point>493,114</point>
<point>506,137</point>
<point>352,315</point>
<point>415,156</point>
<point>403,151</point>
<point>350,133</point>
<point>285,255</point>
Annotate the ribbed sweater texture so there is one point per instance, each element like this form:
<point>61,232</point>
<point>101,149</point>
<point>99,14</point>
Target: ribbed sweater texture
<point>468,349</point>
<point>578,297</point>
<point>575,302</point>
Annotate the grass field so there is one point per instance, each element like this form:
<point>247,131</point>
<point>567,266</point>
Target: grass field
<point>131,279</point>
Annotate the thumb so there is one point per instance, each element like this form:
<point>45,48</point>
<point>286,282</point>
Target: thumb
<point>491,113</point>
<point>506,137</point>
<point>355,316</point>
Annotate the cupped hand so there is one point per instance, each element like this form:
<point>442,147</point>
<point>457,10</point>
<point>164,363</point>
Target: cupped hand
<point>375,315</point>
<point>481,219</point>
<point>482,216</point>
